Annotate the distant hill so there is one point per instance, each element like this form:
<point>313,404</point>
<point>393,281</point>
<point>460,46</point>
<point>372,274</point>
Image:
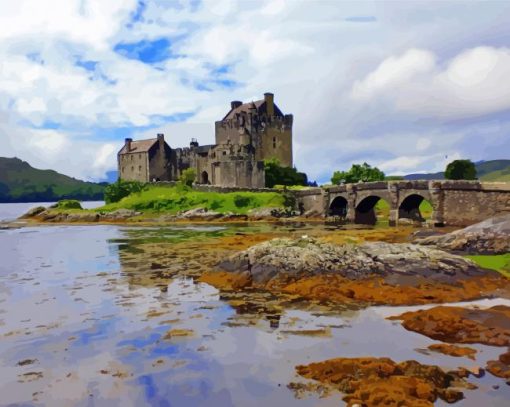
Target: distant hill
<point>19,182</point>
<point>493,170</point>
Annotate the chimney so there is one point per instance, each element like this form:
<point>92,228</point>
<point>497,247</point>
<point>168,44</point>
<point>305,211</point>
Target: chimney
<point>127,143</point>
<point>235,103</point>
<point>269,99</point>
<point>161,141</point>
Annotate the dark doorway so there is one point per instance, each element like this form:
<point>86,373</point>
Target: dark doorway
<point>205,177</point>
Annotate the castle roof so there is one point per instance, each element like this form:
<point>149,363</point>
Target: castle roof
<point>139,146</point>
<point>259,105</point>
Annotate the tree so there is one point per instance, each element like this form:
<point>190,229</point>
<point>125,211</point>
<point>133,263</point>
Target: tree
<point>460,169</point>
<point>357,173</point>
<point>188,176</point>
<point>278,175</point>
<point>120,189</point>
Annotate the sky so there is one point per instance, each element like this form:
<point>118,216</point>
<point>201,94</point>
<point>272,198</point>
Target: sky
<point>404,86</point>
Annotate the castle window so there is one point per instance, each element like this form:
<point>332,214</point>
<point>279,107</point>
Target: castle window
<point>224,153</point>
<point>274,142</point>
<point>132,169</point>
<point>139,156</point>
<point>139,168</point>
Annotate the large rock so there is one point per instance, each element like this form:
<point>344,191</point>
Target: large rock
<point>33,212</point>
<point>396,263</point>
<point>491,236</point>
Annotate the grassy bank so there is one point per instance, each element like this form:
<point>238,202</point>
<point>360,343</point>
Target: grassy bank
<point>179,198</point>
<point>498,262</point>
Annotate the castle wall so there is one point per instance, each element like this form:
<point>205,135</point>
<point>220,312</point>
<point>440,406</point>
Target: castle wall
<point>134,167</point>
<point>239,173</point>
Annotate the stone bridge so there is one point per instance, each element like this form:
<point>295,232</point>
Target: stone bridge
<point>456,203</point>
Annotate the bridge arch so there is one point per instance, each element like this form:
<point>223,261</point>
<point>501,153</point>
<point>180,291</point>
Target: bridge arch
<point>365,211</point>
<point>338,207</point>
<point>411,206</point>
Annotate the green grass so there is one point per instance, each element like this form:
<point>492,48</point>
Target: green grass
<point>174,199</point>
<point>498,262</point>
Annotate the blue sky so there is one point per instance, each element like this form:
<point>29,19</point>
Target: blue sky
<point>406,86</point>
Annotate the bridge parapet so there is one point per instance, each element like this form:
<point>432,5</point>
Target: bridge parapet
<point>453,202</point>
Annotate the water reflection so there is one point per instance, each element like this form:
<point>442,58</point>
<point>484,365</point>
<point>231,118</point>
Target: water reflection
<point>114,316</point>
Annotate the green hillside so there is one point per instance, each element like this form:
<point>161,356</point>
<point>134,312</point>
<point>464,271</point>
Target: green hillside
<point>493,170</point>
<point>19,182</point>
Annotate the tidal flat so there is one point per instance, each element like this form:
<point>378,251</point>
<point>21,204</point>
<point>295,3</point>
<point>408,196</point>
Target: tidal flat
<point>109,315</point>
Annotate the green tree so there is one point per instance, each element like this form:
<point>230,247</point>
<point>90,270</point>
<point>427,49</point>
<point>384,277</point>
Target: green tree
<point>278,175</point>
<point>188,176</point>
<point>460,169</point>
<point>363,172</point>
<point>120,189</point>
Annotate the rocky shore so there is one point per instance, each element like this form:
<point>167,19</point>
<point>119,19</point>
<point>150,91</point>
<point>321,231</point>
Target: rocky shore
<point>372,273</point>
<point>52,215</point>
<point>491,236</point>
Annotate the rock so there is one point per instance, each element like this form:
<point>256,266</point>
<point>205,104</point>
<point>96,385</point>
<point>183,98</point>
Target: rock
<point>461,325</point>
<point>371,381</point>
<point>491,236</point>
<point>453,350</point>
<point>199,214</point>
<point>287,258</point>
<point>500,367</point>
<point>119,214</point>
<point>370,273</point>
<point>261,213</point>
<point>33,212</point>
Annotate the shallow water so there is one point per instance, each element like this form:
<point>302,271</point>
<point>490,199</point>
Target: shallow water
<point>12,211</point>
<point>75,305</point>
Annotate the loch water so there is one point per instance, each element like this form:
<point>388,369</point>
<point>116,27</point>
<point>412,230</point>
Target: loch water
<point>81,326</point>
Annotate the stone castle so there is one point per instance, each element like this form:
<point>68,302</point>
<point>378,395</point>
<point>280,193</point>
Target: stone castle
<point>247,135</point>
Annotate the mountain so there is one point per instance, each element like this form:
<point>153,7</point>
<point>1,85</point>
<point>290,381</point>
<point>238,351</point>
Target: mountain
<point>19,182</point>
<point>493,170</point>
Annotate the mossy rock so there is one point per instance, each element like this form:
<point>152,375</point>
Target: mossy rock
<point>69,204</point>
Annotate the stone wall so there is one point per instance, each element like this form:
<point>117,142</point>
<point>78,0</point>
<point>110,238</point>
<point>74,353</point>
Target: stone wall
<point>465,203</point>
<point>134,167</point>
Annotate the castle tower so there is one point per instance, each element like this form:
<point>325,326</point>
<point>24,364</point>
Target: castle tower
<point>262,126</point>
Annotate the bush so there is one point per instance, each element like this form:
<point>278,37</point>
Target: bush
<point>460,169</point>
<point>68,204</point>
<point>278,175</point>
<point>120,189</point>
<point>188,176</point>
<point>242,201</point>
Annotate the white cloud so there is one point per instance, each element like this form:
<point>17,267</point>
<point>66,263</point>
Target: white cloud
<point>472,83</point>
<point>393,72</point>
<point>381,92</point>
